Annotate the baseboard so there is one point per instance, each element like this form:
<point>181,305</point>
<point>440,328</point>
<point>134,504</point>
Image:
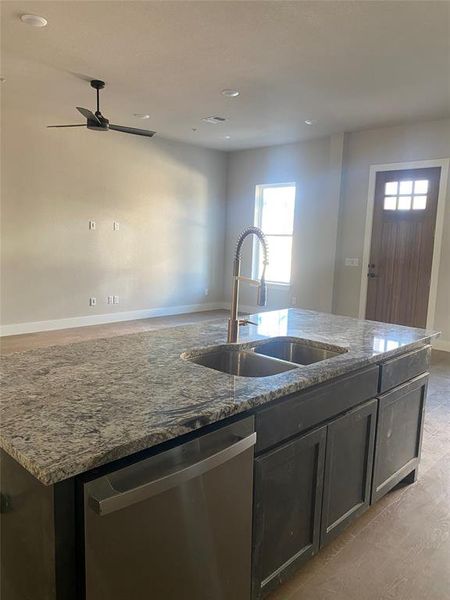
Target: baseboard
<point>36,326</point>
<point>443,345</point>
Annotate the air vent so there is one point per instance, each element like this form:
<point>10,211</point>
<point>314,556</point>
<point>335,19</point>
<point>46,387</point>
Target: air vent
<point>214,120</point>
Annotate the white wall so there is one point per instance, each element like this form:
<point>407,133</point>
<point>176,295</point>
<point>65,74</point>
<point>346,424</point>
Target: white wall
<point>421,141</point>
<point>315,167</point>
<point>168,197</point>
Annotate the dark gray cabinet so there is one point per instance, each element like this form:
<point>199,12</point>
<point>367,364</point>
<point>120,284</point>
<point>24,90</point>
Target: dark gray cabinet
<point>321,454</point>
<point>287,505</point>
<point>399,435</point>
<point>37,536</point>
<point>348,469</point>
<point>403,368</point>
<point>305,410</point>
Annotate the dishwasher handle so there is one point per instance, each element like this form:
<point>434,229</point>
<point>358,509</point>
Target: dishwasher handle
<point>107,499</point>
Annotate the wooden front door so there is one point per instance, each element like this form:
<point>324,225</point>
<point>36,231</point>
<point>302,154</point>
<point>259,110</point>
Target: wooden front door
<point>404,221</point>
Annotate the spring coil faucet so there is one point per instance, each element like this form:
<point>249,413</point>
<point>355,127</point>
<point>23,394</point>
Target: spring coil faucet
<point>233,321</point>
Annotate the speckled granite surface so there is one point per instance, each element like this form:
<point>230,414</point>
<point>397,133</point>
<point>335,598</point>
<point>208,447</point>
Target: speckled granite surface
<point>67,409</point>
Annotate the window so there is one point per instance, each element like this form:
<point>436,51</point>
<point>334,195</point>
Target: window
<point>406,195</point>
<point>274,214</point>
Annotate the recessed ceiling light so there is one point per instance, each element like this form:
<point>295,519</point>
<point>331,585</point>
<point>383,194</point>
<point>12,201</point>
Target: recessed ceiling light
<point>141,116</point>
<point>310,121</point>
<point>33,20</point>
<point>213,120</point>
<point>228,137</point>
<point>230,93</point>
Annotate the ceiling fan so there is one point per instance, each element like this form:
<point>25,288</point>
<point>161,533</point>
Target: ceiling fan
<point>97,122</point>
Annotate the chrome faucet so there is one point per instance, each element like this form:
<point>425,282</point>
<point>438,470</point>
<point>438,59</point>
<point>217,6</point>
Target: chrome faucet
<point>233,321</point>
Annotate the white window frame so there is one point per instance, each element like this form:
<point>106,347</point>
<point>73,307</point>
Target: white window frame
<point>259,189</point>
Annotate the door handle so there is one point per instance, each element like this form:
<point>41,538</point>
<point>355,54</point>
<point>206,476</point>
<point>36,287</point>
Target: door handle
<point>107,499</point>
<point>371,273</point>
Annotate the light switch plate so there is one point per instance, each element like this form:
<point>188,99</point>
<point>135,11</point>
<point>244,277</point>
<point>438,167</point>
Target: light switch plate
<point>352,262</point>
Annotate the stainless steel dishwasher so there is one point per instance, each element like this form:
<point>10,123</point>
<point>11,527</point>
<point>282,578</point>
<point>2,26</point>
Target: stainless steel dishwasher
<point>175,526</point>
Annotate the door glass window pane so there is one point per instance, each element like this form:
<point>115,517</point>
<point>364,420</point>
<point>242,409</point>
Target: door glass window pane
<point>390,203</point>
<point>421,186</point>
<point>404,202</point>
<point>419,202</point>
<point>278,210</point>
<point>406,187</point>
<point>391,188</point>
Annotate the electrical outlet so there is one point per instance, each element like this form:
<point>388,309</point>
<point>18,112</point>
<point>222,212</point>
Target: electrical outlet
<point>116,225</point>
<point>115,299</point>
<point>110,299</point>
<point>92,301</point>
<point>206,291</point>
<point>92,225</point>
<point>293,300</point>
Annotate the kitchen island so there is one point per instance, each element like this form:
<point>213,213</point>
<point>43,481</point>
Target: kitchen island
<point>347,427</point>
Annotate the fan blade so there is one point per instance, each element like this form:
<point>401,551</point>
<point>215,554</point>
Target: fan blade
<point>88,114</point>
<point>83,125</point>
<point>132,130</point>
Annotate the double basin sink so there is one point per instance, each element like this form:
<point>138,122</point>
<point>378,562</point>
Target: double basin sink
<point>264,358</point>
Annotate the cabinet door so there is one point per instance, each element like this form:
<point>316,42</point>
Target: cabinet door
<point>348,469</point>
<point>399,434</point>
<point>287,504</point>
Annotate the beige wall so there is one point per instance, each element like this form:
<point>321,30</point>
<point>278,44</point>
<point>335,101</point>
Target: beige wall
<point>176,227</point>
<point>169,199</point>
<point>315,166</point>
<point>421,141</point>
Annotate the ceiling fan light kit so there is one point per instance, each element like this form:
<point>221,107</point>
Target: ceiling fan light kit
<point>97,122</point>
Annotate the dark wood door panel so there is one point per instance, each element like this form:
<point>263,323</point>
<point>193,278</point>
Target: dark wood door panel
<point>402,249</point>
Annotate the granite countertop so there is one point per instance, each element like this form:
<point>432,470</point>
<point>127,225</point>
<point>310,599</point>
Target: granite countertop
<point>68,409</point>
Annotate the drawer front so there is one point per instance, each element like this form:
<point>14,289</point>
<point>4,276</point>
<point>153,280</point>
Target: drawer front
<point>398,370</point>
<point>305,410</point>
<point>399,434</point>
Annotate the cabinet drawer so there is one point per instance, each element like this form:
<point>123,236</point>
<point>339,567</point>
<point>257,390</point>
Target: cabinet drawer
<point>304,410</point>
<point>398,370</point>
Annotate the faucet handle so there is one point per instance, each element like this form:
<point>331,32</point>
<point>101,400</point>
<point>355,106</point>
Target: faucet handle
<point>243,322</point>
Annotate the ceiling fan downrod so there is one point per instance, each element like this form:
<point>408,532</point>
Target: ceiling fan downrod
<point>98,85</point>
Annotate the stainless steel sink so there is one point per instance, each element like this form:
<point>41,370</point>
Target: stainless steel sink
<point>244,363</point>
<point>296,351</point>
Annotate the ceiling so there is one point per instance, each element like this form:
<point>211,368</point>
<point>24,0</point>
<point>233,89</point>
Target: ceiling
<point>348,65</point>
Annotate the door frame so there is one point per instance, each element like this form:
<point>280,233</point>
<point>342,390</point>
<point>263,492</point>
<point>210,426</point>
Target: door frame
<point>444,163</point>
